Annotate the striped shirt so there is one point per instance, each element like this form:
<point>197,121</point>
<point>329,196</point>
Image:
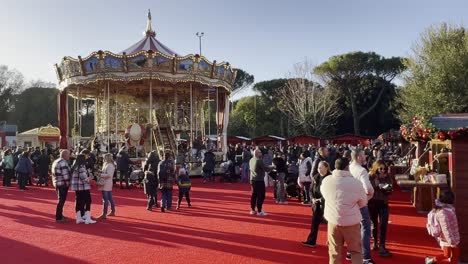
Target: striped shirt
<point>80,180</point>
<point>60,173</point>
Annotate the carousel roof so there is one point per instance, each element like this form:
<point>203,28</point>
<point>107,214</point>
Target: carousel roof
<point>148,59</point>
<point>149,42</point>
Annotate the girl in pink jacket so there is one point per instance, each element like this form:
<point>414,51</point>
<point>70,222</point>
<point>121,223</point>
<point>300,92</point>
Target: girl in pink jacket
<point>449,236</point>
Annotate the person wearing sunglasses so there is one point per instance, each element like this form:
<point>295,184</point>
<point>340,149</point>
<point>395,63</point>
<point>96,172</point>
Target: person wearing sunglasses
<point>378,205</point>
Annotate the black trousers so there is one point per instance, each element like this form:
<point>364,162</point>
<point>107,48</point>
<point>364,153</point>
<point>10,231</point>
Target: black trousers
<point>124,175</point>
<point>258,195</point>
<point>43,177</point>
<point>62,192</point>
<point>317,218</point>
<point>83,201</point>
<point>152,200</point>
<point>22,180</point>
<point>7,176</point>
<point>181,195</point>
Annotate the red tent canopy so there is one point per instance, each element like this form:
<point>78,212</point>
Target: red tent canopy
<point>268,140</point>
<point>351,139</point>
<point>304,139</point>
<point>238,140</point>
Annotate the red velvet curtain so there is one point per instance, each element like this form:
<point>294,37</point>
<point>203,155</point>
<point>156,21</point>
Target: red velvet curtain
<point>63,118</point>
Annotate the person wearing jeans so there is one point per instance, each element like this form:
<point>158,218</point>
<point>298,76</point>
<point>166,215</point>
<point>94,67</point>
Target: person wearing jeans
<point>24,169</point>
<point>246,156</point>
<point>360,173</point>
<point>378,206</point>
<point>281,167</point>
<point>107,174</point>
<point>61,180</point>
<point>166,178</point>
<point>257,173</point>
<point>304,180</point>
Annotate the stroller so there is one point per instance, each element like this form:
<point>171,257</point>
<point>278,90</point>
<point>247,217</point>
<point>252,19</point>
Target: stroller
<point>136,176</point>
<point>229,172</point>
<point>292,188</point>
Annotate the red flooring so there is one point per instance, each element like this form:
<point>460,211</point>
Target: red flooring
<point>217,229</point>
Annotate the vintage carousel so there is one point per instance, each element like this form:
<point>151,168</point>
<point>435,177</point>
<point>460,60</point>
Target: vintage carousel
<point>146,97</point>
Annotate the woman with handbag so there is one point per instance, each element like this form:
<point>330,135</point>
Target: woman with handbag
<point>80,183</point>
<point>105,183</point>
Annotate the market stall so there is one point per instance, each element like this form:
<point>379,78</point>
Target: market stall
<point>304,139</point>
<point>350,139</point>
<point>47,136</point>
<point>448,156</point>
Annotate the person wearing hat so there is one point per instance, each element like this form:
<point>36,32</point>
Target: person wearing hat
<point>184,183</point>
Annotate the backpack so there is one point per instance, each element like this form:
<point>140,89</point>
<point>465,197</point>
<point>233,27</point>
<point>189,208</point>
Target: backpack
<point>164,170</point>
<point>433,226</point>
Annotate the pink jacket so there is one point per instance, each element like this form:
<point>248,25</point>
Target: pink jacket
<point>447,219</point>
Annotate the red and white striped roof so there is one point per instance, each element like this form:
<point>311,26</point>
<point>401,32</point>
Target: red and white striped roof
<point>149,42</point>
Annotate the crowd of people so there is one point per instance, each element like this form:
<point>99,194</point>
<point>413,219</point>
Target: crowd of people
<point>347,187</point>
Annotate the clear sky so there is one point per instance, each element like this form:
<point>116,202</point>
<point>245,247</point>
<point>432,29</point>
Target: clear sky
<point>263,37</point>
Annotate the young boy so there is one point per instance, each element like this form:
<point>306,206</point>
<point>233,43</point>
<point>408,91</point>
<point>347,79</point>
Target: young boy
<point>150,187</point>
<point>183,181</point>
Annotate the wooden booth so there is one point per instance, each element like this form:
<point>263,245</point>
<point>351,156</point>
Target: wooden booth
<point>350,139</point>
<point>304,139</point>
<point>269,140</point>
<point>233,140</point>
<point>444,148</point>
<point>452,157</point>
<point>46,136</point>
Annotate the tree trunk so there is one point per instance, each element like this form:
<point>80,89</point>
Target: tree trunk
<point>356,118</point>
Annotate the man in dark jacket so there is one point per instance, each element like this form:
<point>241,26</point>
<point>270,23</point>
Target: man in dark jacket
<point>150,184</point>
<point>257,176</point>
<point>43,164</point>
<point>209,166</point>
<point>322,156</point>
<point>123,166</point>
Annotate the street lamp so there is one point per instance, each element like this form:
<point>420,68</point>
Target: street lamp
<point>200,35</point>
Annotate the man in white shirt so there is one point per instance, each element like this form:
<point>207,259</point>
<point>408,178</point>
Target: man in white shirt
<point>343,197</point>
<point>360,173</point>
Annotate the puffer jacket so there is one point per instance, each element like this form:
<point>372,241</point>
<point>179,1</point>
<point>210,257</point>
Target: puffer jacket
<point>305,168</point>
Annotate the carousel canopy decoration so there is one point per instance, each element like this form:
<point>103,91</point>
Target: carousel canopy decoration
<point>148,59</point>
<point>441,127</point>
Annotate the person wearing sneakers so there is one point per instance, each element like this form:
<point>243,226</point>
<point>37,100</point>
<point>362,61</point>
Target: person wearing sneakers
<point>282,168</point>
<point>318,203</point>
<point>257,176</point>
<point>61,180</point>
<point>304,180</point>
<point>166,178</point>
<point>344,196</point>
<point>107,174</point>
<point>80,184</point>
<point>184,183</point>
<point>358,157</point>
<point>150,184</point>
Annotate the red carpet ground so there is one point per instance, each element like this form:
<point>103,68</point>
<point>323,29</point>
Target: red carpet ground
<point>217,229</point>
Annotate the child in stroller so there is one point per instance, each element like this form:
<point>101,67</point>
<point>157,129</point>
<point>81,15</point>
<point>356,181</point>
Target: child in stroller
<point>292,188</point>
<point>136,176</point>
